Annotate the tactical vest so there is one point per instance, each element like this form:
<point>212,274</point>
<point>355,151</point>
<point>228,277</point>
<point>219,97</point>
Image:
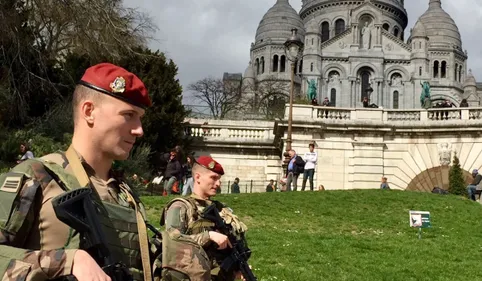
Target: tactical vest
<point>202,266</point>
<point>119,223</point>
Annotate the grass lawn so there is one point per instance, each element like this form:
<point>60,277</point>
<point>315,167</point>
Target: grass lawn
<point>356,235</point>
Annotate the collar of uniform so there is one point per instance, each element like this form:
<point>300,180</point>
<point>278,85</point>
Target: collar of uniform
<point>91,172</point>
<point>199,198</point>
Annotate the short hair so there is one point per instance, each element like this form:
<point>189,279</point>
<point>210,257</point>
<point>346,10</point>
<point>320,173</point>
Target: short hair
<point>311,145</point>
<point>82,93</point>
<point>196,168</point>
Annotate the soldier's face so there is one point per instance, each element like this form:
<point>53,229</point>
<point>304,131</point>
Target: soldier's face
<point>116,126</point>
<point>209,182</point>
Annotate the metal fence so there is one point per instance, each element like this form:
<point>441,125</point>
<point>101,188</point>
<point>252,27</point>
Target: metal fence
<point>250,186</point>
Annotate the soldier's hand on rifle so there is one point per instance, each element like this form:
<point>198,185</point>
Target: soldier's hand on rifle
<point>239,276</point>
<point>220,239</point>
<point>85,268</point>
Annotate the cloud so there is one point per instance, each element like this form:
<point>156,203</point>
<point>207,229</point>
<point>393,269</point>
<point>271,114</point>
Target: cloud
<point>210,37</point>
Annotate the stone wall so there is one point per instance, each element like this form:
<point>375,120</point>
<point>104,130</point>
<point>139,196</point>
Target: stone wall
<point>356,147</point>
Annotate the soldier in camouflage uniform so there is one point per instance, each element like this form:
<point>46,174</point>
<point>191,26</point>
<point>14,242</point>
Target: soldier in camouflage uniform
<point>188,252</point>
<point>35,245</point>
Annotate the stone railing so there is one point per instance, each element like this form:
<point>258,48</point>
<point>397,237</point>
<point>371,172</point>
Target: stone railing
<point>322,113</point>
<point>230,130</point>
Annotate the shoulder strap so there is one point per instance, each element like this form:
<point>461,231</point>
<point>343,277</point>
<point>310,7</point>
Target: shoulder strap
<point>83,179</point>
<point>77,167</point>
<point>188,201</point>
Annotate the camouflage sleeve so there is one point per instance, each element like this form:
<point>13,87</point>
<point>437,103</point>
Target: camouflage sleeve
<point>17,263</point>
<point>20,264</point>
<point>176,218</point>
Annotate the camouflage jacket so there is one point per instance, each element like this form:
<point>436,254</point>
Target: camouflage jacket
<point>33,245</point>
<point>187,240</point>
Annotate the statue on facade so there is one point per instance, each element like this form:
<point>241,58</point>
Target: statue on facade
<point>425,95</point>
<point>366,36</point>
<point>445,153</point>
<point>312,89</point>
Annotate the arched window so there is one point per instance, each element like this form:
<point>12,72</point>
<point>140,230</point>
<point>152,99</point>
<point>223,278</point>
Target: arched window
<point>311,67</point>
<point>444,69</point>
<point>420,45</point>
<point>333,97</point>
<point>325,31</point>
<point>339,26</point>
<point>365,82</point>
<point>420,71</point>
<point>312,41</point>
<point>257,66</point>
<point>262,65</point>
<point>435,69</point>
<point>396,79</point>
<point>296,67</point>
<point>456,69</point>
<point>460,73</point>
<point>395,100</point>
<point>396,31</point>
<point>275,63</point>
<point>283,64</point>
<point>301,67</point>
<point>386,26</point>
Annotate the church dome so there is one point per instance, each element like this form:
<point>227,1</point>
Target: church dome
<point>470,80</point>
<point>249,72</point>
<point>439,26</point>
<point>278,22</point>
<point>418,30</point>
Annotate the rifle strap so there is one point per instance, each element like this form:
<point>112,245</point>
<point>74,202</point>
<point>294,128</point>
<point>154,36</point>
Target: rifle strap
<point>141,229</point>
<point>77,167</point>
<point>84,180</point>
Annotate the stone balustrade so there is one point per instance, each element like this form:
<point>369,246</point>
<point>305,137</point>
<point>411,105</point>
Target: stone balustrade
<point>379,115</point>
<point>231,130</point>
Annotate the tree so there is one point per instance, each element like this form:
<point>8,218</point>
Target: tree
<point>456,179</point>
<point>163,122</point>
<point>222,97</point>
<point>40,38</point>
<point>267,98</point>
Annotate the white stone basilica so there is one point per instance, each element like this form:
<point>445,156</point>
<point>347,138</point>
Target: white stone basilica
<point>351,45</point>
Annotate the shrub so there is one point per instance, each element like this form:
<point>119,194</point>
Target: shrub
<point>456,178</point>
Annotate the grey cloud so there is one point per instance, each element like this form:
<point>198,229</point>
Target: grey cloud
<point>209,37</point>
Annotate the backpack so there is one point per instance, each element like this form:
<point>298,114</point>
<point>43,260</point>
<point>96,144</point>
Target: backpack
<point>300,168</point>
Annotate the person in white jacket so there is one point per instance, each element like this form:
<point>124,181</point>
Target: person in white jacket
<point>310,159</point>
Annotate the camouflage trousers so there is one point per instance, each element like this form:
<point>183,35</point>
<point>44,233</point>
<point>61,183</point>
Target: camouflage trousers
<point>173,275</point>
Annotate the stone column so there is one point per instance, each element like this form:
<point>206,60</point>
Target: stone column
<point>356,40</point>
<point>353,92</point>
<point>379,34</point>
<point>379,95</point>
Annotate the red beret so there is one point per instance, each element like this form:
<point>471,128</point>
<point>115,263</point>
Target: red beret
<point>117,82</point>
<point>210,164</point>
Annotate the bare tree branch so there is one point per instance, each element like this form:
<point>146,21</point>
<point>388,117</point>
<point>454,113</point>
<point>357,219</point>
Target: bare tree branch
<point>222,97</point>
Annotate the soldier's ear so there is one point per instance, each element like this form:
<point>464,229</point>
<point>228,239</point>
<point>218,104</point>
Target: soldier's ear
<point>197,176</point>
<point>86,111</point>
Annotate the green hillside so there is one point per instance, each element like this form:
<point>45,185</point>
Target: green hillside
<point>356,235</point>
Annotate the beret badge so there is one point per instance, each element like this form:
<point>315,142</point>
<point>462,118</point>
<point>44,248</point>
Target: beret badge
<point>211,165</point>
<point>119,85</point>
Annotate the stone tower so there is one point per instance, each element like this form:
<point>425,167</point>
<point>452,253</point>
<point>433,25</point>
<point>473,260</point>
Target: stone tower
<point>268,58</point>
<point>447,60</point>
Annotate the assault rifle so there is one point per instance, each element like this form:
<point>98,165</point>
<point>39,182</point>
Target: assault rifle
<point>237,257</point>
<point>76,209</point>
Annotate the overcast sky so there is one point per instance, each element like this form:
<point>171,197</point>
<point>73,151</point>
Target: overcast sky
<point>210,37</point>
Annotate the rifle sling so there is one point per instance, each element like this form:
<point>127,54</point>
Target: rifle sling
<point>84,180</point>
